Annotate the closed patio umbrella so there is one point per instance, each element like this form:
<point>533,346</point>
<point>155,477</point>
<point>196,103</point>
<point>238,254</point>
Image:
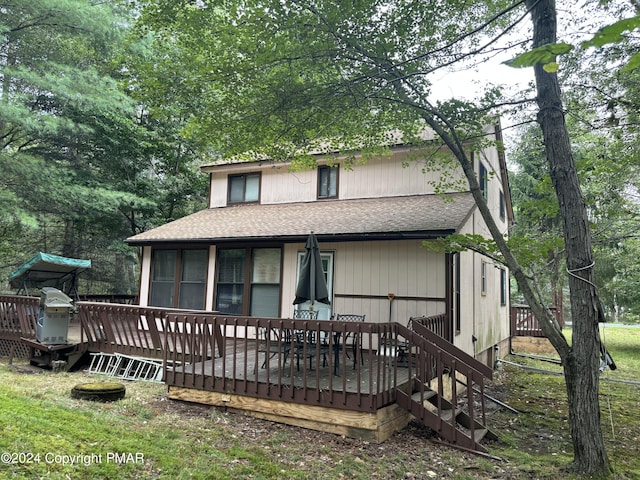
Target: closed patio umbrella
<point>312,285</point>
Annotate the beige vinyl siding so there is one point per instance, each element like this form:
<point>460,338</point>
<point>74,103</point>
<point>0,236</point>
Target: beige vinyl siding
<point>489,157</point>
<point>218,192</point>
<point>469,294</point>
<point>398,174</point>
<point>277,185</point>
<point>491,319</point>
<point>211,276</point>
<point>281,186</point>
<point>145,277</point>
<point>383,177</point>
<point>482,316</point>
<point>366,272</point>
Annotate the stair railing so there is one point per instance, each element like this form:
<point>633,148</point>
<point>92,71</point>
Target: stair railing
<point>432,359</point>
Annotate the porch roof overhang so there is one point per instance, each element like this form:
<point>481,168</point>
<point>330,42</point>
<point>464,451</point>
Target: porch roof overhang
<point>415,216</point>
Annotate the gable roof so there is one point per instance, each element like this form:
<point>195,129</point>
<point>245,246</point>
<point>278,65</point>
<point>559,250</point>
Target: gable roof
<point>415,216</point>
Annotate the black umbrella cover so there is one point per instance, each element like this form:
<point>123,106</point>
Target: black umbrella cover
<point>312,285</point>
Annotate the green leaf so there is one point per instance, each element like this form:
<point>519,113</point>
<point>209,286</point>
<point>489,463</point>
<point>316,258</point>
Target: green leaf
<point>551,67</point>
<point>612,33</point>
<point>545,54</point>
<point>632,64</point>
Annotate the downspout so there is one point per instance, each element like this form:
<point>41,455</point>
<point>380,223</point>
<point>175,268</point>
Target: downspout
<point>449,295</point>
<point>474,339</point>
<point>211,277</point>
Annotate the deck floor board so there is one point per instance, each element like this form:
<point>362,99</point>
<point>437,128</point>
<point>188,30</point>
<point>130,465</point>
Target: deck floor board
<point>370,376</point>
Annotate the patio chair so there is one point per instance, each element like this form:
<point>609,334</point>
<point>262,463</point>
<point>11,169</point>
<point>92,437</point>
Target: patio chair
<point>275,341</point>
<point>352,339</point>
<point>300,314</point>
<point>403,352</point>
<point>308,346</point>
<point>306,343</point>
<point>397,347</point>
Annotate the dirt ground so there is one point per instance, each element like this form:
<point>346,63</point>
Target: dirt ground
<point>431,457</point>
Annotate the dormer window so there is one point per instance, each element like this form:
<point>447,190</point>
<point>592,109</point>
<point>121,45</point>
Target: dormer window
<point>244,188</point>
<point>328,181</point>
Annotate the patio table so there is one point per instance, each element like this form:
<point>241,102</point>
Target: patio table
<point>307,345</point>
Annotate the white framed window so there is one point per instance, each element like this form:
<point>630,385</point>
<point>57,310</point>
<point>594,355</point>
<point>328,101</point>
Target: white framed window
<point>244,188</point>
<point>328,181</point>
<point>323,309</point>
<point>483,277</point>
<point>503,287</point>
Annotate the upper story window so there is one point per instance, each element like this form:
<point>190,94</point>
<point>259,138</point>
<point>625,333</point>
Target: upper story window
<point>503,207</point>
<point>244,188</point>
<point>484,180</point>
<point>328,181</point>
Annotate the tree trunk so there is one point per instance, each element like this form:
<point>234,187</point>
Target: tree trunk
<point>581,364</point>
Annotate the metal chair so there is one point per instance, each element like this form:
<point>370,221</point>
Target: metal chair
<point>306,343</point>
<point>300,314</point>
<point>403,350</point>
<point>275,341</point>
<point>352,339</point>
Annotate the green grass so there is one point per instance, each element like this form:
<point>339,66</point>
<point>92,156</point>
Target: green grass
<point>162,439</point>
<point>623,345</point>
<point>125,439</point>
<point>540,433</point>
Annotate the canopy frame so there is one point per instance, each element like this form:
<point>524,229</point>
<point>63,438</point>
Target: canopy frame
<point>48,270</point>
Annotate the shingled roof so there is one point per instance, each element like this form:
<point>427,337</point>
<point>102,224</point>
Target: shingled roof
<point>427,216</point>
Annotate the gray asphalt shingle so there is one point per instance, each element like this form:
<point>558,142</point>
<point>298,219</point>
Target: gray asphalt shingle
<point>405,214</point>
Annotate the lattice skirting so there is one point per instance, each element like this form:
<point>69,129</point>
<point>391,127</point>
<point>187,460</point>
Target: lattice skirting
<point>20,350</point>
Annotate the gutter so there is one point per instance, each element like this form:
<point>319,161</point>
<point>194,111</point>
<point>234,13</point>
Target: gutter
<point>299,238</point>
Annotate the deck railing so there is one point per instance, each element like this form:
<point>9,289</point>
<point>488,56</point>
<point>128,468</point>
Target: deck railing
<point>456,378</point>
<point>267,358</point>
<point>438,324</point>
<point>121,298</point>
<point>18,316</point>
<point>233,357</point>
<point>126,329</point>
<point>525,324</point>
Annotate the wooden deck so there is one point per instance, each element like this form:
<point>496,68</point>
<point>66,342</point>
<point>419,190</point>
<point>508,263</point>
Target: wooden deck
<point>325,407</point>
<point>239,363</point>
<point>525,324</point>
<point>263,369</point>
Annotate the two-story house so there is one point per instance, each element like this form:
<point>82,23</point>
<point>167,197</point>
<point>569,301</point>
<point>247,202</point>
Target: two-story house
<point>242,254</point>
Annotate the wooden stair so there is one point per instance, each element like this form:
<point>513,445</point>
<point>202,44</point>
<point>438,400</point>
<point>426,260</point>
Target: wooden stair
<point>449,421</point>
<point>435,362</point>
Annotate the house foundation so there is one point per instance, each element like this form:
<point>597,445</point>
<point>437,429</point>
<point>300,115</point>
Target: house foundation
<point>371,427</point>
<point>537,345</point>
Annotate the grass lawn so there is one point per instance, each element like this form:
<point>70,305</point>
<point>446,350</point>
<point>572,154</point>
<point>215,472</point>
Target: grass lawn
<point>46,433</point>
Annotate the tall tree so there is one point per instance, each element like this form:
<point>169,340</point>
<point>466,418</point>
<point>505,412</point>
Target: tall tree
<point>600,106</point>
<point>58,112</point>
<point>279,77</point>
<point>581,359</point>
<point>84,163</point>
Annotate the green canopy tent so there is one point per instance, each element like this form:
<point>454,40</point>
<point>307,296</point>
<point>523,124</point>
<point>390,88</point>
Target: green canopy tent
<point>47,270</point>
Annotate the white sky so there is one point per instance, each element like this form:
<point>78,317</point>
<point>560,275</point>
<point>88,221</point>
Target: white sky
<point>467,84</point>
